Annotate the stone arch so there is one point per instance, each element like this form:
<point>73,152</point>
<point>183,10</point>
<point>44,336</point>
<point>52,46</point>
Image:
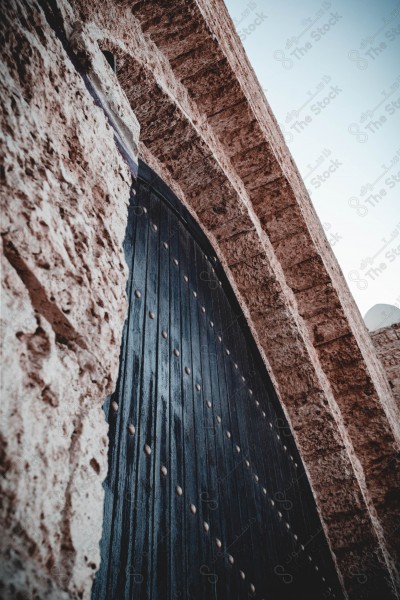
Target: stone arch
<point>253,206</point>
<point>208,131</point>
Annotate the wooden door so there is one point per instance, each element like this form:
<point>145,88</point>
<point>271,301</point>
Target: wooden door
<point>206,495</point>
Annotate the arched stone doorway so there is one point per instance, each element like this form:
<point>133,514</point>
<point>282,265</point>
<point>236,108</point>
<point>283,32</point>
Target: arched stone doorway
<point>208,131</point>
<point>206,495</point>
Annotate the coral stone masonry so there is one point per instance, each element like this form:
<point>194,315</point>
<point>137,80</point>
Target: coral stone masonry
<point>185,99</point>
<point>387,344</point>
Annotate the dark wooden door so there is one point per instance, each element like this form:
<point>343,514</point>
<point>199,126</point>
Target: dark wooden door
<point>206,496</point>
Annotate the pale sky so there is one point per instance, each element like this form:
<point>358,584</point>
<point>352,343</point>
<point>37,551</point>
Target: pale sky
<point>331,73</point>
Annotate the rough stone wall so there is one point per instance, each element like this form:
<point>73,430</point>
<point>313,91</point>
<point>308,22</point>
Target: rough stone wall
<point>387,344</point>
<point>207,129</point>
<point>64,198</point>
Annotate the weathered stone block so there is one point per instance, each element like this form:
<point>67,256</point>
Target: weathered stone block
<point>64,206</point>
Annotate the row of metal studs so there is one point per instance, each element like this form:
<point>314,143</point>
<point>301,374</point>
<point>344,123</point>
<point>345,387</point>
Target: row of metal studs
<point>186,279</point>
<point>264,490</point>
<point>198,388</point>
<point>206,527</point>
<point>164,472</point>
<point>211,323</point>
<point>218,418</point>
<point>192,507</point>
<point>155,228</point>
<point>163,468</point>
<point>218,543</point>
<point>147,448</point>
<point>164,334</point>
<point>187,369</point>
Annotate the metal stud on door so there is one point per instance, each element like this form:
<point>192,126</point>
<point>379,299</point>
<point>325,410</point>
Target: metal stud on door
<point>206,496</point>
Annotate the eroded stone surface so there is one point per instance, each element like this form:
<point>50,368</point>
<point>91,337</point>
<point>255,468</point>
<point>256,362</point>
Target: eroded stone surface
<point>64,205</point>
<point>192,114</point>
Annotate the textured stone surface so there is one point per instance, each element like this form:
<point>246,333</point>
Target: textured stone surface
<point>387,344</point>
<point>64,195</point>
<point>207,129</point>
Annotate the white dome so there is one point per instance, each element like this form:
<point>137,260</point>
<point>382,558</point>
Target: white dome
<point>381,315</point>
